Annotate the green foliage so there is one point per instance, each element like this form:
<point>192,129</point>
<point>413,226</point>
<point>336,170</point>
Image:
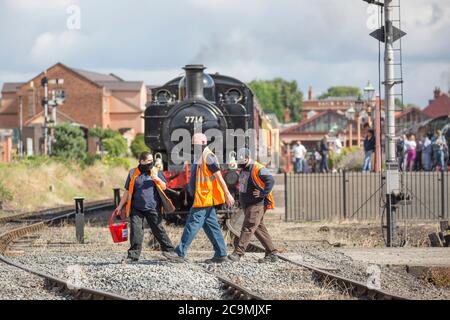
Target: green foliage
<point>138,146</point>
<point>90,160</point>
<point>341,91</point>
<point>5,194</point>
<point>116,146</point>
<point>110,141</point>
<point>349,159</point>
<point>126,163</point>
<point>276,95</point>
<point>70,142</point>
<point>102,133</point>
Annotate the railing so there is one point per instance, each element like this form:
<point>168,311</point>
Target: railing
<point>360,196</point>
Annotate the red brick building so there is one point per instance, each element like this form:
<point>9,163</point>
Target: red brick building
<point>90,100</point>
<point>409,117</point>
<point>439,106</point>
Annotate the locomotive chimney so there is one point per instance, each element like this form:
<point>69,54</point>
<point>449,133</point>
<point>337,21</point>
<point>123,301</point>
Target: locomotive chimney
<point>194,81</point>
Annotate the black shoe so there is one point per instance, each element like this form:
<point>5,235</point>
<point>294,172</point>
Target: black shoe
<point>130,260</point>
<point>269,258</point>
<point>235,257</point>
<point>217,260</point>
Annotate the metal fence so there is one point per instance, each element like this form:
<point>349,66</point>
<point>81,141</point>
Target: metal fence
<point>360,196</point>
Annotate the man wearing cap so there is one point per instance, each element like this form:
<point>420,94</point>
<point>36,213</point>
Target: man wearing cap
<point>255,196</point>
<point>209,189</point>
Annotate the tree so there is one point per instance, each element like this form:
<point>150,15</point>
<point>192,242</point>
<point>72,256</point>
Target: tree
<point>276,95</point>
<point>70,142</point>
<point>110,141</point>
<point>341,91</point>
<point>138,146</point>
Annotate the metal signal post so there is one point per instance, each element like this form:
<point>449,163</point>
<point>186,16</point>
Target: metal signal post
<point>389,34</point>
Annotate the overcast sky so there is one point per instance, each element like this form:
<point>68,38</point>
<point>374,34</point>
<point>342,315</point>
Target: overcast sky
<point>320,43</point>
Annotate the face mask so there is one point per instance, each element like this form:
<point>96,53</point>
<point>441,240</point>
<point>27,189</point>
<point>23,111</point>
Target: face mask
<point>146,167</point>
<point>242,165</point>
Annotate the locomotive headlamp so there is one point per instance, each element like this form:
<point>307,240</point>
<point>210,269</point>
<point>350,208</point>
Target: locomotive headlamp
<point>163,96</point>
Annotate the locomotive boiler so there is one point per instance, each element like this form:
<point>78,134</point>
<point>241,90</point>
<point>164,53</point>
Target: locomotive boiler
<point>223,108</point>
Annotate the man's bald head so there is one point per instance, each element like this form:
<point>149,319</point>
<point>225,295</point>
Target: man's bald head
<point>199,139</point>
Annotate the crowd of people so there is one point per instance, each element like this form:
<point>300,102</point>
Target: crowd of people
<point>428,154</point>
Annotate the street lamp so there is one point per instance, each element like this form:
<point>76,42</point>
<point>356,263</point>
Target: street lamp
<point>369,91</point>
<point>350,115</point>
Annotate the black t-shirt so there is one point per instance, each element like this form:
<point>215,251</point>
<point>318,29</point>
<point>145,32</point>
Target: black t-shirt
<point>247,186</point>
<point>145,196</point>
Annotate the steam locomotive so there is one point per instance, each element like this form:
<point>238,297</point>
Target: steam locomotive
<point>211,103</point>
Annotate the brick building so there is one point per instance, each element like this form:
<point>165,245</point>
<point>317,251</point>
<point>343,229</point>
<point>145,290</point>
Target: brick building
<point>439,106</point>
<point>90,100</point>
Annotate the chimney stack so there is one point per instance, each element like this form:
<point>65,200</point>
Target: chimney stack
<point>310,93</point>
<point>194,81</point>
<point>437,93</point>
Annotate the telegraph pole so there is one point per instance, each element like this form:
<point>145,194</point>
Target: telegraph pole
<point>44,83</point>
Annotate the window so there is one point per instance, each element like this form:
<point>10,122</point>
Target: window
<point>59,95</point>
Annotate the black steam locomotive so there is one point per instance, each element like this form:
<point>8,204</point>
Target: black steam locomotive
<point>208,101</point>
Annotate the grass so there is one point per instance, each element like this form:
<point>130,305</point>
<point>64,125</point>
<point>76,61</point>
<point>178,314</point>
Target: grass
<point>29,182</point>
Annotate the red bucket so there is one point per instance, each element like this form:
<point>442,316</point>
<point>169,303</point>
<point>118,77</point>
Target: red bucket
<point>119,231</point>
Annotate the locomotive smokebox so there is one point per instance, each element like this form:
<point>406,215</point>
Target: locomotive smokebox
<point>194,81</point>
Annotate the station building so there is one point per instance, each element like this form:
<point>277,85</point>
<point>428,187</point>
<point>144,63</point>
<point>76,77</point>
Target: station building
<point>90,100</point>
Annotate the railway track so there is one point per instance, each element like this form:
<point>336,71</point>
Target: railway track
<point>49,217</point>
<point>30,223</point>
<point>354,288</point>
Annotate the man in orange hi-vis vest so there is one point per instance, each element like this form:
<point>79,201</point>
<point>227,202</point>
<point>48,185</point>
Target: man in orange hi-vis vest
<point>209,189</point>
<point>143,202</point>
<point>255,196</point>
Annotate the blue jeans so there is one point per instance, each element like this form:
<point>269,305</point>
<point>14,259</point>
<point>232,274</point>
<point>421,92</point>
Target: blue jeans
<point>426,161</point>
<point>205,218</point>
<point>440,158</point>
<point>368,161</point>
<point>324,163</point>
<point>298,165</point>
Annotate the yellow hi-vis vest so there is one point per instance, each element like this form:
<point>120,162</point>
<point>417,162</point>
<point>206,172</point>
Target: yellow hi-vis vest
<point>208,191</point>
<point>269,202</point>
<point>134,173</point>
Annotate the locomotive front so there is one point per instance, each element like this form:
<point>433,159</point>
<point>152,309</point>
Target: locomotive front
<point>191,104</point>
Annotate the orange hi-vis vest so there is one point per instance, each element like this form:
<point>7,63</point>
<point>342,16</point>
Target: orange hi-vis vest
<point>269,202</point>
<point>208,191</point>
<point>134,173</point>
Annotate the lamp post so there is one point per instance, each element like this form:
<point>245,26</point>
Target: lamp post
<point>350,115</point>
<point>359,106</point>
<point>369,92</point>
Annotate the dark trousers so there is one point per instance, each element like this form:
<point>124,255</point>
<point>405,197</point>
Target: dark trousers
<point>154,220</point>
<point>254,225</point>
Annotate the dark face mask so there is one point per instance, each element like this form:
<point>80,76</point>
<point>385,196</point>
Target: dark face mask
<point>146,167</point>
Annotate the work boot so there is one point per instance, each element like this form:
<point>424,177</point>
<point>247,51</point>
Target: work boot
<point>172,256</point>
<point>130,260</point>
<point>269,258</point>
<point>217,260</point>
<point>235,257</point>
